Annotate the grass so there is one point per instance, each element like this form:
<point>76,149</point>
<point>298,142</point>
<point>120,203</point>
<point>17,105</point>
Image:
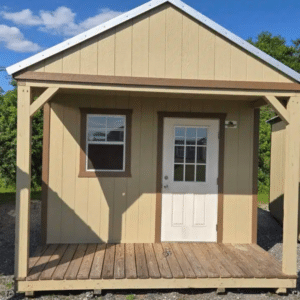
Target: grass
<point>9,195</point>
<point>263,198</point>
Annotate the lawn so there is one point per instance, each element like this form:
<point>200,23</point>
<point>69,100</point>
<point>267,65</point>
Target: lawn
<point>9,195</point>
<point>263,198</point>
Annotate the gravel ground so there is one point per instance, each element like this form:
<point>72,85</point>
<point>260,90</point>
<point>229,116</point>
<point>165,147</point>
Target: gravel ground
<point>269,238</point>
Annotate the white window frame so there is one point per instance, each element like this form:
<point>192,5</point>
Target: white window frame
<point>87,142</point>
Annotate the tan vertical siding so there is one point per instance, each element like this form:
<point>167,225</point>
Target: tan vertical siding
<point>173,42</point>
<point>157,42</point>
<point>106,53</point>
<point>123,209</point>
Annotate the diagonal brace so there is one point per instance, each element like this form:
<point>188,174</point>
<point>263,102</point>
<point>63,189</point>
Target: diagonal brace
<point>41,100</point>
<point>279,108</point>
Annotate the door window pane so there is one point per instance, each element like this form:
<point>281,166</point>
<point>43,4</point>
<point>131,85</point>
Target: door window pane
<point>190,154</point>
<point>201,155</point>
<point>179,140</point>
<point>180,131</point>
<point>178,173</point>
<point>179,154</point>
<point>189,173</point>
<point>200,173</point>
<point>115,122</point>
<point>201,136</point>
<point>190,136</point>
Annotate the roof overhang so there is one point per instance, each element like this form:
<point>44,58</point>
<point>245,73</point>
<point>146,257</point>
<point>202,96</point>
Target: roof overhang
<point>138,11</point>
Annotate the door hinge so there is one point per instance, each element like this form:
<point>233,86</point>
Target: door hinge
<point>216,227</point>
<point>218,181</point>
<point>219,135</point>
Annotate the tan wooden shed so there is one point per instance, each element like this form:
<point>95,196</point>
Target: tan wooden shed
<point>277,176</point>
<point>150,156</point>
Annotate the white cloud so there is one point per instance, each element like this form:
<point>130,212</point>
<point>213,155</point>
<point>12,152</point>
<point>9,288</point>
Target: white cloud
<point>24,17</point>
<point>13,39</point>
<point>61,21</point>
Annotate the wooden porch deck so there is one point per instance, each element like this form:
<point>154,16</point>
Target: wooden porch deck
<point>159,265</point>
<point>165,260</point>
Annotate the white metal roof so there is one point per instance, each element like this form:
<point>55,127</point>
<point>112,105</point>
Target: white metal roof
<point>138,11</point>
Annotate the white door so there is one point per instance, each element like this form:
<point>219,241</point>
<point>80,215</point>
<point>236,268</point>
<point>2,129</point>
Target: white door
<point>189,181</point>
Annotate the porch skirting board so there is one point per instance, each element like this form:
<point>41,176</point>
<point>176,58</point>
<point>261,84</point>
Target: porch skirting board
<point>91,284</point>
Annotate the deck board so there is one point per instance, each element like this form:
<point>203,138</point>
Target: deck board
<point>53,262</point>
<point>40,265</point>
<point>130,265</point>
<point>85,268</point>
<point>96,269</point>
<point>109,262</point>
<point>141,264</point>
<point>75,264</point>
<point>158,260</point>
<point>61,269</point>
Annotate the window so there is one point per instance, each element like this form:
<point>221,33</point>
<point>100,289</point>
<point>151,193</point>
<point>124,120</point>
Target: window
<point>190,154</point>
<point>105,143</point>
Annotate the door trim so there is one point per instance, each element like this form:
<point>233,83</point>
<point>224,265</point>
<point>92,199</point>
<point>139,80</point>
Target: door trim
<point>160,135</point>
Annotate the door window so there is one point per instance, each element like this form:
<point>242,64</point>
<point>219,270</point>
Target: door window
<point>190,145</point>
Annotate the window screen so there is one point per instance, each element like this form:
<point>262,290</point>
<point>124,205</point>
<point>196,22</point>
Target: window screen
<point>105,144</point>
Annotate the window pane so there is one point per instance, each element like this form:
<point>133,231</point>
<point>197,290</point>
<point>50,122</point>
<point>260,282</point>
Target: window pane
<point>115,122</point>
<point>179,131</point>
<point>96,135</point>
<point>189,173</point>
<point>200,173</point>
<point>201,136</point>
<point>178,173</point>
<point>105,157</point>
<point>190,154</point>
<point>96,121</point>
<point>201,155</point>
<point>179,154</point>
<point>115,136</point>
<point>190,136</point>
<point>179,140</point>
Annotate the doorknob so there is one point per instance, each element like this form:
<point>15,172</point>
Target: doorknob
<point>166,186</point>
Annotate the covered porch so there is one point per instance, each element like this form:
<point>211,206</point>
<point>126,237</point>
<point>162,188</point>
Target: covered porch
<point>158,265</point>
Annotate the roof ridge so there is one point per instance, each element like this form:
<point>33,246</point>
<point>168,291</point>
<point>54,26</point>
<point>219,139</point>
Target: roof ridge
<point>140,10</point>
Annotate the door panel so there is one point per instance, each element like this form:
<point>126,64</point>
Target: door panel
<point>190,172</point>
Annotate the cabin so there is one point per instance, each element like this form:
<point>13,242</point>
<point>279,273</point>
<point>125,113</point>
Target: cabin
<point>150,157</point>
<point>277,176</point>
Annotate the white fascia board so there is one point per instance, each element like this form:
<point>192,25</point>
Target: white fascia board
<point>140,10</point>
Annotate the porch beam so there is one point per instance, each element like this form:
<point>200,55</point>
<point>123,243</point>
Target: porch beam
<point>160,89</point>
<point>259,103</point>
<point>279,108</point>
<point>291,188</point>
<point>23,182</point>
<point>42,99</point>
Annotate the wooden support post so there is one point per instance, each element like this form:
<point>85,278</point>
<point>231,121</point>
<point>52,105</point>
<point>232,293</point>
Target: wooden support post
<point>291,188</point>
<point>23,182</point>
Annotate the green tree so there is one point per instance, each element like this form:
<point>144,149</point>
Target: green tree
<point>8,140</point>
<point>276,47</point>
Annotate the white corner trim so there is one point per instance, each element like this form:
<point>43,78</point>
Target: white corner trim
<point>140,10</point>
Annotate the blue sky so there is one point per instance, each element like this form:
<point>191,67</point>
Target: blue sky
<point>27,27</point>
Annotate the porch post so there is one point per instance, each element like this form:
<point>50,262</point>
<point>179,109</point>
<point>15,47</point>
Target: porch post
<point>23,182</point>
<point>291,188</point>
